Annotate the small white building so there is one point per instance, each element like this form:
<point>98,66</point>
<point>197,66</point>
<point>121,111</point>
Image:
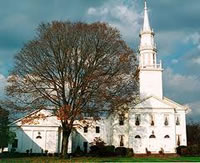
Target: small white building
<point>155,124</point>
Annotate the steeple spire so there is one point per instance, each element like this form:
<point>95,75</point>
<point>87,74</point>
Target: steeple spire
<point>146,25</point>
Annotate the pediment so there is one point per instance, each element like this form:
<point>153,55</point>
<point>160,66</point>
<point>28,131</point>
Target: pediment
<point>176,105</point>
<point>38,118</point>
<point>153,102</point>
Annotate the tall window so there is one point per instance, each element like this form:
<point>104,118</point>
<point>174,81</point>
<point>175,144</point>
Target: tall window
<point>97,129</point>
<point>137,119</point>
<point>121,119</point>
<point>152,120</point>
<point>178,140</point>
<point>177,121</point>
<point>121,140</point>
<point>85,129</point>
<point>166,122</point>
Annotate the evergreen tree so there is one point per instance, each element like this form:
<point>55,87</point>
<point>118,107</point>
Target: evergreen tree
<point>4,134</point>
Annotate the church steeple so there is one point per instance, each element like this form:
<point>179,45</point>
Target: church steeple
<point>150,70</point>
<point>147,45</point>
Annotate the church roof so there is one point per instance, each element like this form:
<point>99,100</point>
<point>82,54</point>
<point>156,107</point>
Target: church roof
<point>40,117</point>
<point>175,104</point>
<point>157,103</point>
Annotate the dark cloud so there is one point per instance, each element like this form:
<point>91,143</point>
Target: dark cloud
<point>174,14</point>
<point>172,20</point>
<point>19,20</point>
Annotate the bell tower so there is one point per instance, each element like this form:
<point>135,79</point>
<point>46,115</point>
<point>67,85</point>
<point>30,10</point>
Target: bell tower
<point>150,69</point>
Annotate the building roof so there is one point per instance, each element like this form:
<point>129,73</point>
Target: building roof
<point>155,102</point>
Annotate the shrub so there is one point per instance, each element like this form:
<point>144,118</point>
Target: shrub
<point>46,152</point>
<point>102,150</point>
<point>12,155</point>
<point>78,152</point>
<point>94,149</point>
<point>129,152</point>
<point>13,150</point>
<point>121,151</point>
<point>193,150</point>
<point>181,150</point>
<point>107,151</point>
<point>110,149</point>
<point>98,142</point>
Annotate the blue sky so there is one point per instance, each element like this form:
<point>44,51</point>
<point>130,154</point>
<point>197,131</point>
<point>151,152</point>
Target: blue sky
<point>175,22</point>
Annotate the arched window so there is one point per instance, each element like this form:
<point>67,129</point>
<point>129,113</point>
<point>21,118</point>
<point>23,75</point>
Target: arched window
<point>166,136</point>
<point>39,136</point>
<point>152,135</point>
<point>137,137</point>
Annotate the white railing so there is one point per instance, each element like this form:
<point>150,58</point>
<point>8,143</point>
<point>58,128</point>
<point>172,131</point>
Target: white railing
<point>147,47</point>
<point>153,66</point>
<point>146,32</point>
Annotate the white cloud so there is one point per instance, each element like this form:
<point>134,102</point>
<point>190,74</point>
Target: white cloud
<point>167,41</point>
<point>122,14</point>
<point>181,83</point>
<point>195,38</point>
<point>196,60</point>
<point>91,11</point>
<point>184,89</point>
<point>194,114</point>
<point>174,61</point>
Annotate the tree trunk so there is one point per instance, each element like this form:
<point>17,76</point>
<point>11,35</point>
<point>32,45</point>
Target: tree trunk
<point>65,142</point>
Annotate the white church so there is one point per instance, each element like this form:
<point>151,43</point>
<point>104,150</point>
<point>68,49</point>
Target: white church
<point>155,124</point>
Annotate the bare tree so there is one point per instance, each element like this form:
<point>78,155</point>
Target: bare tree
<point>77,69</point>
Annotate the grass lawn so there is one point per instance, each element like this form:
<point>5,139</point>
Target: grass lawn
<point>98,159</point>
